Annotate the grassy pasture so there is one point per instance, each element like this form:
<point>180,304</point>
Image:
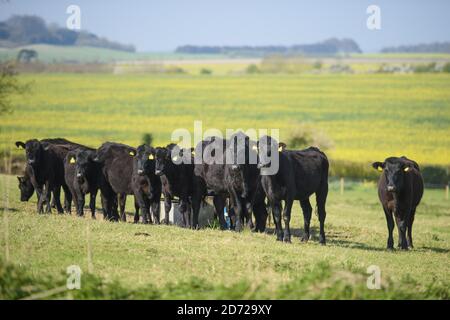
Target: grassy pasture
<point>148,261</point>
<point>368,116</point>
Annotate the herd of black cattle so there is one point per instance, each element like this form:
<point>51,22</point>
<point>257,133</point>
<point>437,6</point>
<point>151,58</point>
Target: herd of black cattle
<point>146,172</point>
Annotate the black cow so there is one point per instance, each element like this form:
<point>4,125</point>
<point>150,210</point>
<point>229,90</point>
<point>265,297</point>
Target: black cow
<point>209,178</point>
<point>177,180</point>
<point>400,190</point>
<point>146,185</point>
<point>26,184</point>
<point>83,175</point>
<point>116,161</point>
<point>300,174</point>
<point>243,182</point>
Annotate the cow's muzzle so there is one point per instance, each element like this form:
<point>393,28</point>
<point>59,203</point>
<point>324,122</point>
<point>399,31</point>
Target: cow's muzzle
<point>391,188</point>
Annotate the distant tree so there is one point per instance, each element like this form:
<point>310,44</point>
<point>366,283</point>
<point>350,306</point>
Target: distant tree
<point>147,138</point>
<point>26,55</point>
<point>253,68</point>
<point>9,85</point>
<point>205,71</point>
<point>446,67</point>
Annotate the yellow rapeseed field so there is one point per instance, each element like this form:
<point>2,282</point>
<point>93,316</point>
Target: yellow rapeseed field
<point>367,116</point>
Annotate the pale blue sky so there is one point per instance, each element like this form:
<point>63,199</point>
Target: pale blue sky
<point>163,25</point>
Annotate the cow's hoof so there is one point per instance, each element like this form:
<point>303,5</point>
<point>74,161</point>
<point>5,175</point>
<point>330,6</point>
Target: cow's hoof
<point>287,240</point>
<point>305,238</point>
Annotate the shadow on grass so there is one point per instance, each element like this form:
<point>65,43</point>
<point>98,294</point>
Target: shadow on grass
<point>437,250</point>
<point>331,239</point>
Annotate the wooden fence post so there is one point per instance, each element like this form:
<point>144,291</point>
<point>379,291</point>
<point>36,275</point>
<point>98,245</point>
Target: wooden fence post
<point>342,185</point>
<point>446,192</point>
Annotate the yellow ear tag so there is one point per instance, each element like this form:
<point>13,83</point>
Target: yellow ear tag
<point>151,157</point>
<point>280,149</point>
<point>175,158</point>
<point>380,168</point>
<point>406,169</point>
<point>131,153</point>
<point>72,160</point>
<point>193,153</point>
<point>20,147</point>
<point>255,148</point>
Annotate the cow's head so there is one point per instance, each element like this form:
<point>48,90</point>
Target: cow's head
<point>162,160</point>
<point>82,160</point>
<point>269,154</point>
<point>144,160</point>
<point>241,156</point>
<point>394,170</point>
<point>26,188</point>
<point>33,150</point>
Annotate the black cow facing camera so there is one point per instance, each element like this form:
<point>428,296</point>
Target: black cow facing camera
<point>400,190</point>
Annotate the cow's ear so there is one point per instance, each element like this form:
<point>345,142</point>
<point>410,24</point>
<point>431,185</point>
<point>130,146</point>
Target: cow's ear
<point>282,146</point>
<point>20,145</point>
<point>378,165</point>
<point>20,178</point>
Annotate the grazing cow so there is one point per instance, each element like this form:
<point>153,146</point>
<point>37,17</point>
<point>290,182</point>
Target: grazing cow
<point>400,190</point>
<point>26,186</point>
<point>83,176</point>
<point>146,185</point>
<point>116,161</point>
<point>47,163</point>
<point>300,174</point>
<point>177,180</point>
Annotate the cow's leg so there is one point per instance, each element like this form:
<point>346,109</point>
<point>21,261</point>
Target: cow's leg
<point>78,199</point>
<point>287,219</point>
<point>122,201</point>
<point>114,204</point>
<point>56,195</point>
<point>92,197</point>
<point>409,227</point>
<point>38,196</point>
<point>307,212</point>
<point>44,198</point>
<point>276,211</point>
<point>390,226</point>
<point>156,210</point>
<point>184,211</point>
<point>219,205</point>
<point>167,208</point>
<point>68,195</point>
<point>248,213</point>
<point>235,202</point>
<point>260,213</point>
<point>136,210</point>
<point>321,199</point>
<point>401,227</point>
<point>144,206</point>
<point>199,191</point>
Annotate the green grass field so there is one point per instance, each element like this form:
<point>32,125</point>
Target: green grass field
<point>123,260</point>
<point>367,116</point>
